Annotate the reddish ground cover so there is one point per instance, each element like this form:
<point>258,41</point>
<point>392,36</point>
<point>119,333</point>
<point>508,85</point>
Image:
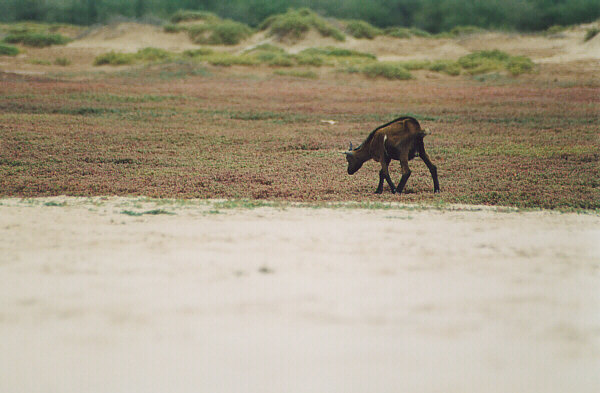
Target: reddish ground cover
<point>166,133</point>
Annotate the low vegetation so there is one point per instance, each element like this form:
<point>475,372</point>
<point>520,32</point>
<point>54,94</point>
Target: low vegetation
<point>347,60</point>
<point>481,62</point>
<point>362,29</point>
<point>210,29</point>
<point>8,50</point>
<point>137,133</point>
<point>294,24</point>
<point>388,70</point>
<point>34,39</point>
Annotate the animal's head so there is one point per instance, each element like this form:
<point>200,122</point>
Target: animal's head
<point>354,163</point>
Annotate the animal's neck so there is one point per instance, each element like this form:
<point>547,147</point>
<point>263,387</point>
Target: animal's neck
<point>362,153</point>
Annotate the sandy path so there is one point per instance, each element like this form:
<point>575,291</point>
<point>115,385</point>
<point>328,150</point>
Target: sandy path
<point>296,300</point>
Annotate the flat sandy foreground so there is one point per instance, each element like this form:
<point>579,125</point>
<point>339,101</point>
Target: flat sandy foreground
<point>271,299</point>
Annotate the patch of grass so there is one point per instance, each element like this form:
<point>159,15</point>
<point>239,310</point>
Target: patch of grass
<point>445,66</point>
<point>518,65</point>
<point>404,32</point>
<point>294,24</point>
<point>213,30</point>
<point>387,70</point>
<point>591,33</point>
<point>482,62</point>
<point>8,50</point>
<point>362,29</point>
<point>298,73</point>
<point>148,212</point>
<point>148,55</point>
<point>57,204</point>
<point>38,40</point>
<point>114,58</point>
<point>62,61</point>
<point>198,52</point>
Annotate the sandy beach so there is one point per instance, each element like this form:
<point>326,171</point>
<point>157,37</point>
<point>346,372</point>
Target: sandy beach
<point>93,299</point>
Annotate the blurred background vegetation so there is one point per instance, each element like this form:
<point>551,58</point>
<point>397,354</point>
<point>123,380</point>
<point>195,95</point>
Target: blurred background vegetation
<point>431,15</point>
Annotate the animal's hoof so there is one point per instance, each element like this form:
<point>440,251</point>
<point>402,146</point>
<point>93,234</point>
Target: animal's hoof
<point>393,190</point>
<point>378,191</point>
<point>436,191</point>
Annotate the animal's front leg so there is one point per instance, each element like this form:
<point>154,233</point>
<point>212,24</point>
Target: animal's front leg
<point>379,189</point>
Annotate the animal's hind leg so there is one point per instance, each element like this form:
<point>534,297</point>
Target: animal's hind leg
<point>405,173</point>
<point>432,168</point>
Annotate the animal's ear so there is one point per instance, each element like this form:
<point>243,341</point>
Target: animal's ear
<point>350,148</point>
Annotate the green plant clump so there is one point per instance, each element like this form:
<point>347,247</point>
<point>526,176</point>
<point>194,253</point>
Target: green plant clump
<point>388,70</point>
<point>114,58</point>
<point>219,32</point>
<point>482,62</point>
<point>38,40</point>
<point>403,32</point>
<point>362,29</point>
<point>8,50</point>
<point>294,24</point>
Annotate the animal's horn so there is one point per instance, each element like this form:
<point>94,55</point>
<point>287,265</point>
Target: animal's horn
<point>350,148</point>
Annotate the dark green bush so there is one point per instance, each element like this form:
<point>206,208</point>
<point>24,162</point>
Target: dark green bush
<point>294,24</point>
<point>362,29</point>
<point>388,70</point>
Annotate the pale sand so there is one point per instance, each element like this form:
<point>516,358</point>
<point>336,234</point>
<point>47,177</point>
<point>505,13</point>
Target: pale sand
<point>296,300</point>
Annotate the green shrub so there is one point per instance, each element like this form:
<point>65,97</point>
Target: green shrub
<point>388,70</point>
<point>62,61</point>
<point>223,32</point>
<point>446,66</point>
<point>152,54</point>
<point>114,58</point>
<point>591,33</point>
<point>229,32</point>
<point>294,24</point>
<point>362,29</point>
<point>8,50</point>
<point>189,15</point>
<point>34,39</point>
<point>494,60</point>
<point>398,32</point>
<point>518,65</point>
<point>310,59</point>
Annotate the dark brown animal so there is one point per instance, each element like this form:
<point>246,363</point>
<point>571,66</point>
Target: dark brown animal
<point>400,139</point>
